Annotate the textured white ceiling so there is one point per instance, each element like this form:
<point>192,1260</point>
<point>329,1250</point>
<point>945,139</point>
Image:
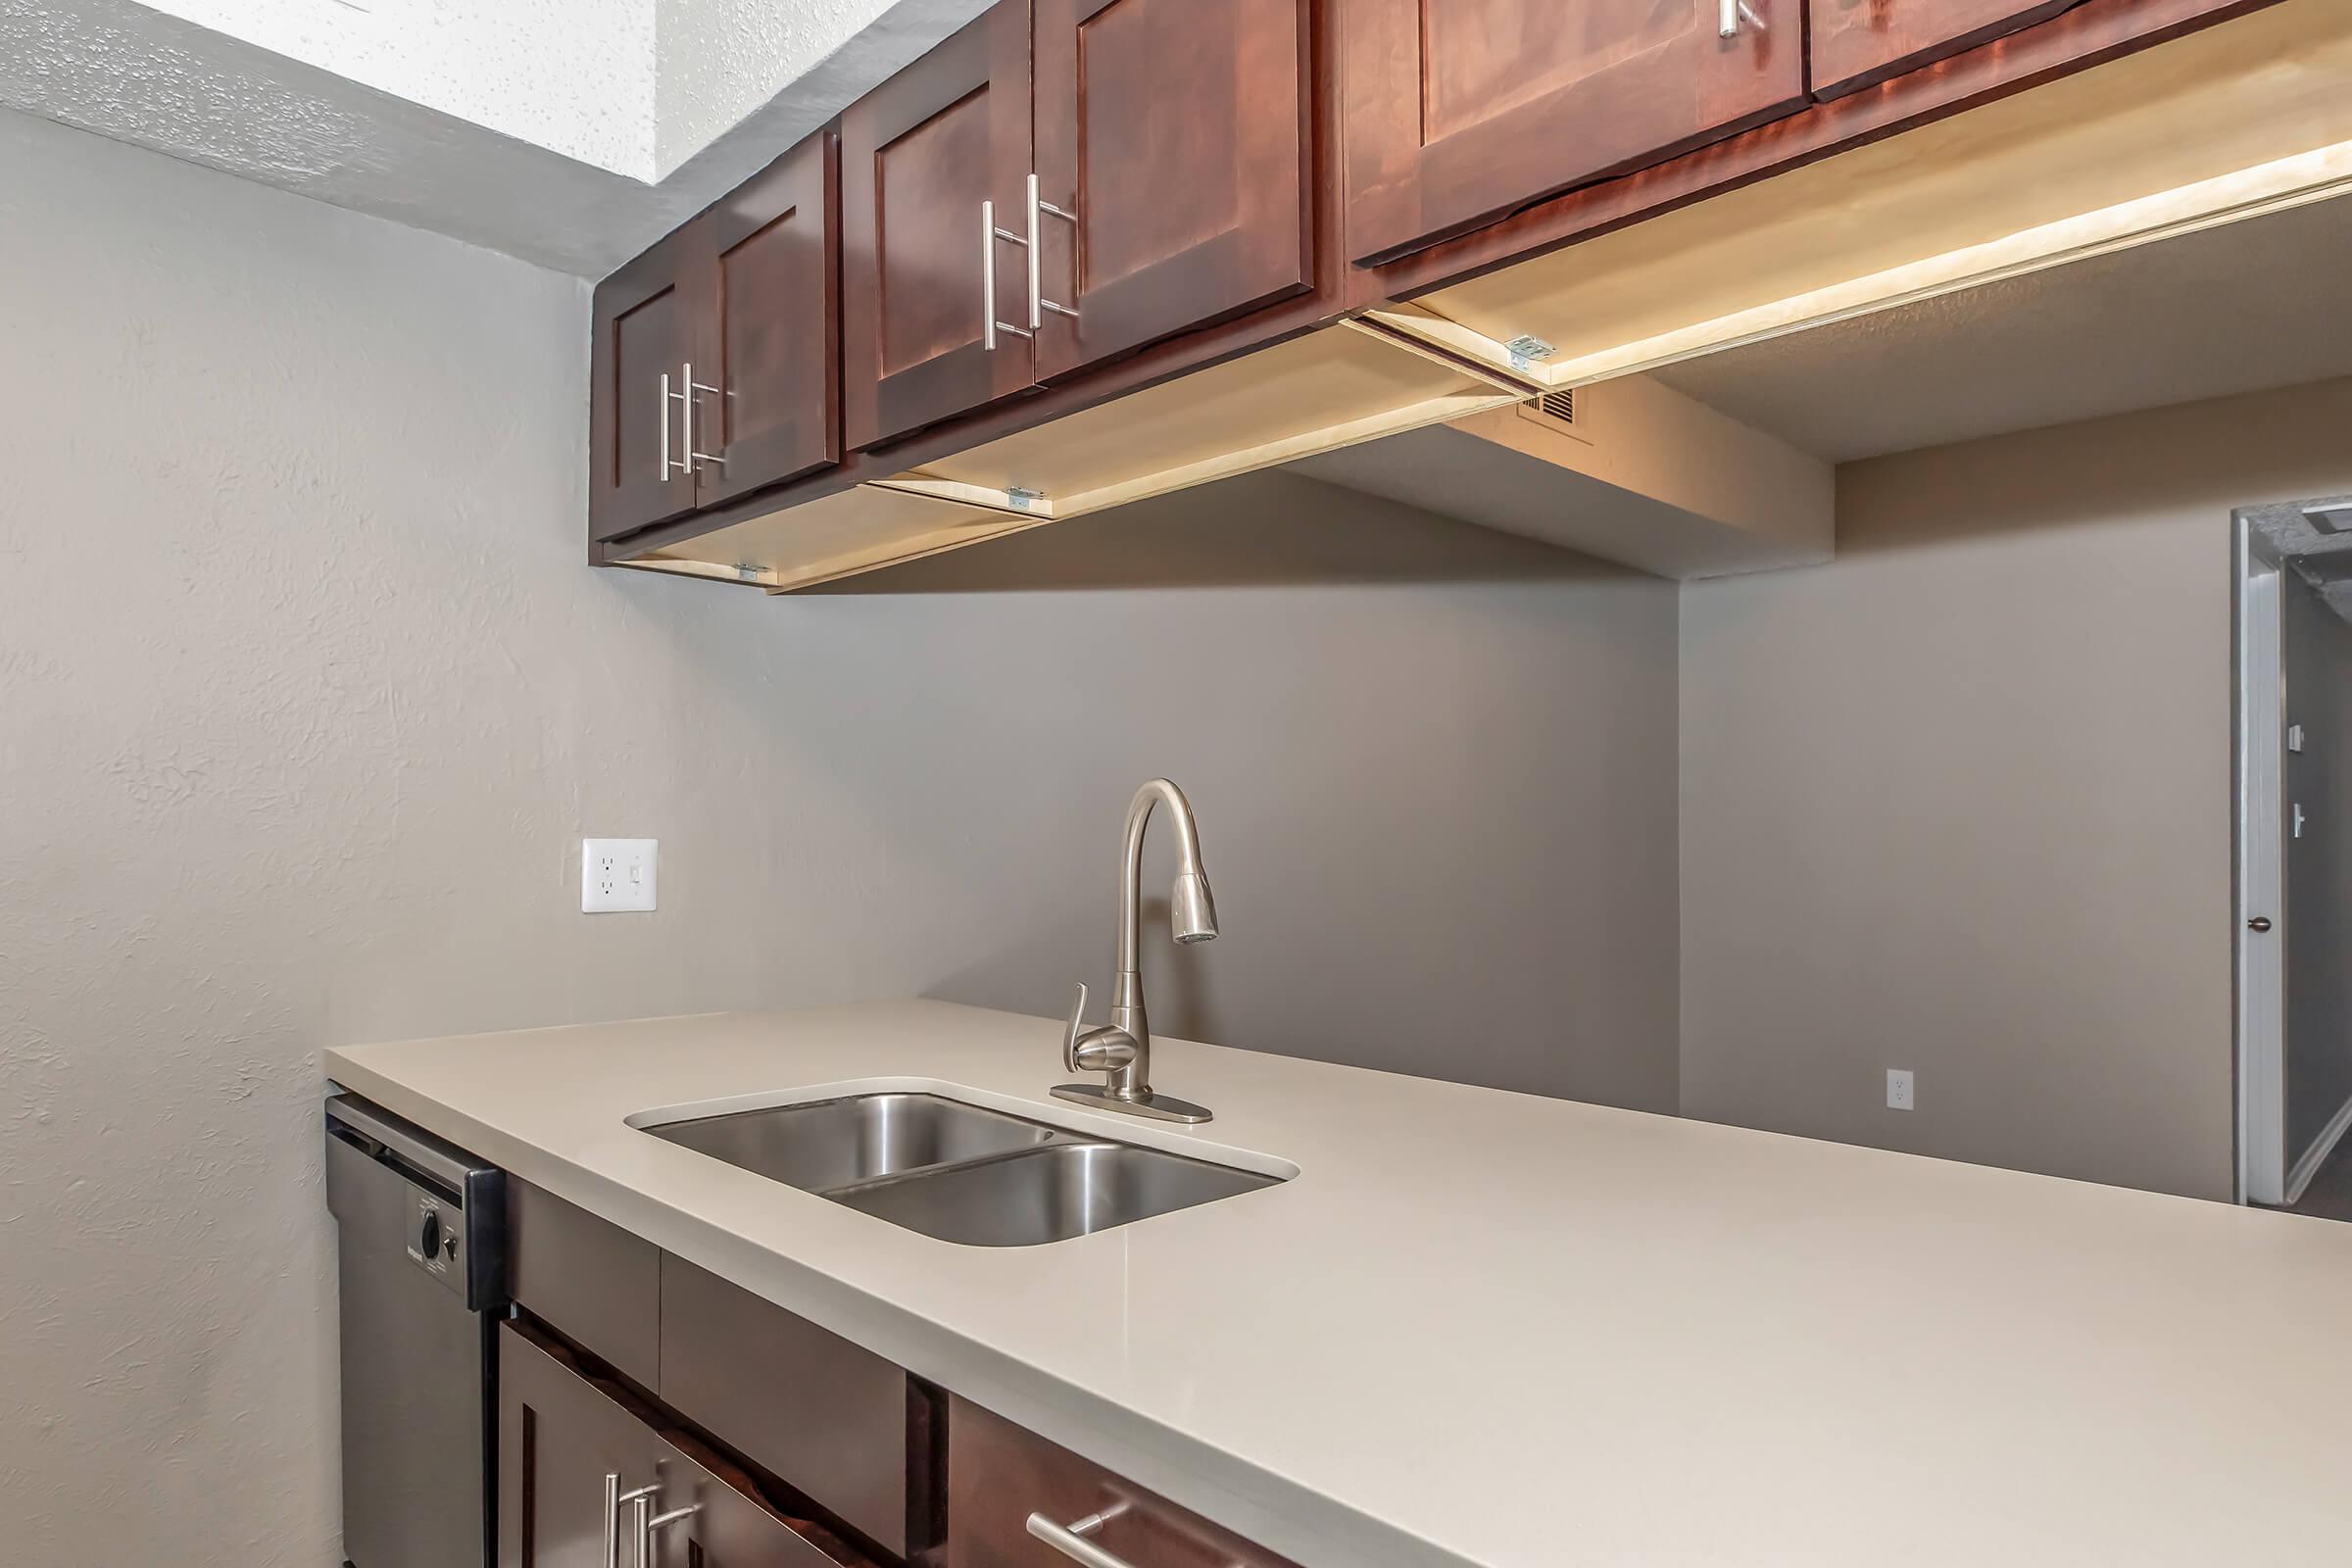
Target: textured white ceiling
<point>568,133</point>
<point>2252,305</point>
<point>574,77</point>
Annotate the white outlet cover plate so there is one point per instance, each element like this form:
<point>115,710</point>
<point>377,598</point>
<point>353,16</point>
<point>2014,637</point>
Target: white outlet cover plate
<point>617,874</point>
<point>1899,1089</point>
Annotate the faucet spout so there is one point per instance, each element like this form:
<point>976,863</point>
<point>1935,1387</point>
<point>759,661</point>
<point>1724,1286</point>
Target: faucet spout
<point>1192,912</point>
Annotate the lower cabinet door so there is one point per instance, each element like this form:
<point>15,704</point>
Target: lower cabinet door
<point>590,1477</point>
<point>566,1452</point>
<point>1016,1500</point>
<point>702,1519</point>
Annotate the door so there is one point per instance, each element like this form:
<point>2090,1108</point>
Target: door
<point>568,1453</point>
<point>1858,43</point>
<point>1016,1500</point>
<point>650,330</point>
<point>775,296</point>
<point>1174,137</point>
<point>1458,111</point>
<point>2261,1151</point>
<point>413,1446</point>
<point>702,1519</point>
<point>923,280</point>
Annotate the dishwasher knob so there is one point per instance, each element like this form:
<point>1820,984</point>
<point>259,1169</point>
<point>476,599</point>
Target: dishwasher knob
<point>428,1237</point>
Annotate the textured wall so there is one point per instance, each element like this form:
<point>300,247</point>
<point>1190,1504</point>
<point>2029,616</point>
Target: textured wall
<point>2318,866</point>
<point>1960,801</point>
<point>306,697</point>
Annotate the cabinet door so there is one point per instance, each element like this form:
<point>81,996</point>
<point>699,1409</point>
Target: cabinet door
<point>776,298</point>
<point>704,1520</point>
<point>1857,43</point>
<point>650,321</point>
<point>1175,134</point>
<point>1458,111</point>
<point>1000,1474</point>
<point>565,1450</point>
<point>920,153</point>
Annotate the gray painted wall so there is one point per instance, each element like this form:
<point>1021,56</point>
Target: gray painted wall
<point>1960,801</point>
<point>306,697</point>
<point>2318,866</point>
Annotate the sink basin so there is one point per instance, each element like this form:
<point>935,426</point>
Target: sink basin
<point>957,1171</point>
<point>839,1142</point>
<point>1050,1194</point>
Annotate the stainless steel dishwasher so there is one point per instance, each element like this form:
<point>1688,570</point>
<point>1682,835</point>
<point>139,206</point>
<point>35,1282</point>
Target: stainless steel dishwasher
<point>421,1243</point>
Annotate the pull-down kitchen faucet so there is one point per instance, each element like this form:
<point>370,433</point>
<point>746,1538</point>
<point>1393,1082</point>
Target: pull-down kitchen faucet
<point>1123,1049</point>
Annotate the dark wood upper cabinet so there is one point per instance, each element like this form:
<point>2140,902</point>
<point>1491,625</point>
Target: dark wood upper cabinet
<point>1175,135</point>
<point>775,411</point>
<point>1857,43</point>
<point>651,324</point>
<point>1457,111</point>
<point>921,154</point>
<point>717,361</point>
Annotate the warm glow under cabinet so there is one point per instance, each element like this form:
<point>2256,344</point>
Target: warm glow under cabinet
<point>1345,384</point>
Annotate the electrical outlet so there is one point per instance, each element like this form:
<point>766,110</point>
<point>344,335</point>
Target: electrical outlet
<point>1899,1089</point>
<point>617,874</point>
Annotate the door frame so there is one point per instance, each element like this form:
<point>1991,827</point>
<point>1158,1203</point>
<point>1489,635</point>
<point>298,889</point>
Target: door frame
<point>2261,809</point>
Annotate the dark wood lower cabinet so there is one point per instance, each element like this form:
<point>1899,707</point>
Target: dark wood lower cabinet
<point>588,1478</point>
<point>599,1284</point>
<point>560,1438</point>
<point>762,1440</point>
<point>799,1403</point>
<point>999,1475</point>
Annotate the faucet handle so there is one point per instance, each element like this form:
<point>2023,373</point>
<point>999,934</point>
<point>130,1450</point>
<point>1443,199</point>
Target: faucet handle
<point>1069,1039</point>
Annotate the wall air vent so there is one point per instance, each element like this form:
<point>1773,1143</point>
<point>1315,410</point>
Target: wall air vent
<point>1556,411</point>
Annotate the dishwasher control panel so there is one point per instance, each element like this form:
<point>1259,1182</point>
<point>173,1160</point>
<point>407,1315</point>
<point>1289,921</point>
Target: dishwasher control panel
<point>436,1236</point>
<point>391,1184</point>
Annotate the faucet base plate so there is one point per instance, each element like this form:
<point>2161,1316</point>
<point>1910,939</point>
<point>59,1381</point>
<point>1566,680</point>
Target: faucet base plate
<point>1159,1107</point>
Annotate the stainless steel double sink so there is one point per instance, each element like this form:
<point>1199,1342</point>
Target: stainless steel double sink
<point>959,1172</point>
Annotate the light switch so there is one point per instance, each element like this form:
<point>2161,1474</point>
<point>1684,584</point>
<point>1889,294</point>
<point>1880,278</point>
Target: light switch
<point>617,874</point>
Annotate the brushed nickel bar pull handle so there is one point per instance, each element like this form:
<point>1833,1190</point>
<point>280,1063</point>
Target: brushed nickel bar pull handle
<point>613,1481</point>
<point>1070,1540</point>
<point>649,1521</point>
<point>636,1501</point>
<point>987,276</point>
<point>671,395</point>
<point>1727,20</point>
<point>695,389</point>
<point>665,408</point>
<point>990,233</point>
<point>686,416</point>
<point>1038,303</point>
<point>1037,287</point>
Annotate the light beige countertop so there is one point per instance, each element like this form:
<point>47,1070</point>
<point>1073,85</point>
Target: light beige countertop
<point>1496,1329</point>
